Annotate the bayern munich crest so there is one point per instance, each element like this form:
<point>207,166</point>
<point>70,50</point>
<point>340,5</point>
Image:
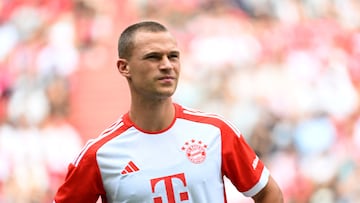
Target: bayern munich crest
<point>195,151</point>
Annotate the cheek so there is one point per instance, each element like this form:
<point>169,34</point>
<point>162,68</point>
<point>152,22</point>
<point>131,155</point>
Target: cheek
<point>140,77</point>
<point>177,70</point>
<point>176,67</point>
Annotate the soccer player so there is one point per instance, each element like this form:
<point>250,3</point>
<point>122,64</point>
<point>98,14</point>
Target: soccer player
<point>160,151</point>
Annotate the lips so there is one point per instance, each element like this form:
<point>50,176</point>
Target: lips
<point>167,78</point>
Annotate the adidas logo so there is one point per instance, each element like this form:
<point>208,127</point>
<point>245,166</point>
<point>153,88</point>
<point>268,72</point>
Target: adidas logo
<point>129,168</point>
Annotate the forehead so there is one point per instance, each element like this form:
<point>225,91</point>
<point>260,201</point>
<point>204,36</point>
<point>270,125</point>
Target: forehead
<point>145,41</point>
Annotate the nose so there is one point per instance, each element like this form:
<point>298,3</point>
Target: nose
<point>165,63</point>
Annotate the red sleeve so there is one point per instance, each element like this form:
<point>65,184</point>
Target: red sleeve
<point>240,163</point>
<point>83,182</point>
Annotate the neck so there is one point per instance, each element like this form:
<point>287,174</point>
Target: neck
<point>152,116</point>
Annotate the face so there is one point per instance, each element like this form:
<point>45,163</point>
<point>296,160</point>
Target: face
<point>153,69</point>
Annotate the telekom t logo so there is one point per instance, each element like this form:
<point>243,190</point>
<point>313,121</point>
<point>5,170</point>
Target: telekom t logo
<point>170,193</point>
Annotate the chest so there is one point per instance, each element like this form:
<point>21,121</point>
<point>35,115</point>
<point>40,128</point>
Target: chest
<point>168,167</point>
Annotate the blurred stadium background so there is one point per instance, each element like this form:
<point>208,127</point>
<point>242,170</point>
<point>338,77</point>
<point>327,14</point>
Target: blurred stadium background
<point>286,72</point>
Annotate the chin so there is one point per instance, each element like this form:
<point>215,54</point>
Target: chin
<point>166,94</point>
<point>167,91</point>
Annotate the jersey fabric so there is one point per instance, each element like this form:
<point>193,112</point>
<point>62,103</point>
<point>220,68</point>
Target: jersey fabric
<point>184,163</point>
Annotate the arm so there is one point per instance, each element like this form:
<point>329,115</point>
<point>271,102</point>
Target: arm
<point>82,183</point>
<point>246,171</point>
<point>271,193</point>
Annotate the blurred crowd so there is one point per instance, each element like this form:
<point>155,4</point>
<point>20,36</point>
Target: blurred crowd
<point>287,73</point>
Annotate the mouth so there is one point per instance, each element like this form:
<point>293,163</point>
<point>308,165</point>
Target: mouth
<point>167,79</point>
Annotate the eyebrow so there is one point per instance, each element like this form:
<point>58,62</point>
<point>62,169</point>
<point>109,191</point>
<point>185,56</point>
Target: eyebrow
<point>175,52</point>
<point>160,53</point>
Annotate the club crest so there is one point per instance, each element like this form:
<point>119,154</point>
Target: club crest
<point>195,151</point>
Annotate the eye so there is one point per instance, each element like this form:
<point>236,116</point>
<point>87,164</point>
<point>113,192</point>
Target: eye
<point>173,56</point>
<point>153,56</point>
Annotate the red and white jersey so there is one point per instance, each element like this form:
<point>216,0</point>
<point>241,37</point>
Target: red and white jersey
<point>184,163</point>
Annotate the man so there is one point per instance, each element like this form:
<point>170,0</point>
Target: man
<point>160,151</point>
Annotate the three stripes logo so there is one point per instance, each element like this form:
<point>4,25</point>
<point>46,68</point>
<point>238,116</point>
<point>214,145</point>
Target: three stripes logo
<point>129,168</point>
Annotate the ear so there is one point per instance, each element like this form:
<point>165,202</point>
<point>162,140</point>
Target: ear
<point>123,68</point>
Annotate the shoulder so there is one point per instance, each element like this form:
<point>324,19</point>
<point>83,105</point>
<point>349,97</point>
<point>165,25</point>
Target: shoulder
<point>197,115</point>
<point>90,149</point>
<point>205,117</point>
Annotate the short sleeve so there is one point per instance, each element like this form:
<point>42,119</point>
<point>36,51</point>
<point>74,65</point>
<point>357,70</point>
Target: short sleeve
<point>82,183</point>
<point>240,164</point>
